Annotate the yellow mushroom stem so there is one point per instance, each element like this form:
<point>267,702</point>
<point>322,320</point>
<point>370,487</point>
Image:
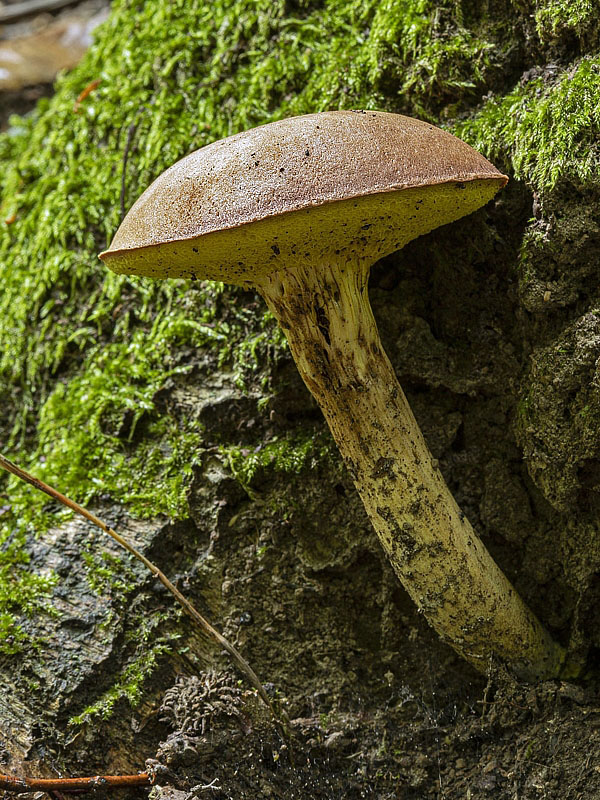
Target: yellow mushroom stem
<point>432,547</point>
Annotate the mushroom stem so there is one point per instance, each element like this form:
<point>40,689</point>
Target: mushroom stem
<point>433,549</point>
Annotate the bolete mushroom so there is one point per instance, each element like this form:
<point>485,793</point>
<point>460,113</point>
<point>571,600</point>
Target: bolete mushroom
<point>300,209</point>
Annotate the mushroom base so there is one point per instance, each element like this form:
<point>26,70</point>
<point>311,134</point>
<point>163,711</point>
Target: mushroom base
<point>432,547</point>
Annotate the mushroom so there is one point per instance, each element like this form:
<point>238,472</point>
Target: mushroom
<point>301,209</point>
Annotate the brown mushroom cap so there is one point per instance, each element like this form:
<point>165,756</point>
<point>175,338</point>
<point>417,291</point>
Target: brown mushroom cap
<point>311,187</point>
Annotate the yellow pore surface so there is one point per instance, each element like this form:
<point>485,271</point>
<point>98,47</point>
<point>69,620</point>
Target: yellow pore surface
<point>365,229</point>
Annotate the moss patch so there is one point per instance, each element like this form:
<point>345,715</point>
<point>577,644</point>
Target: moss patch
<point>555,17</point>
<point>289,455</point>
<point>19,589</point>
<point>131,681</point>
<point>545,129</point>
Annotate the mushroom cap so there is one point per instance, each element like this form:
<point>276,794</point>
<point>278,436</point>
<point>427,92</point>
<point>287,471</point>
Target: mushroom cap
<point>353,185</point>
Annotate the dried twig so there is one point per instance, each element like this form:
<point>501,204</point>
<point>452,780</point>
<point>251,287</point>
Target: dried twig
<point>241,662</point>
<point>21,785</point>
<point>85,93</point>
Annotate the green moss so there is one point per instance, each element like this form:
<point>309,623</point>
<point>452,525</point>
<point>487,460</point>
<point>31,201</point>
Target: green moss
<point>130,685</point>
<point>422,55</point>
<point>546,130</point>
<point>21,590</point>
<point>108,573</point>
<point>287,454</point>
<point>553,17</point>
<point>115,443</point>
<point>264,344</point>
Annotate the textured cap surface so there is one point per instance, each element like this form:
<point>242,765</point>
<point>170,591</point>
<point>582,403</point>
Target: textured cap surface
<point>290,166</point>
